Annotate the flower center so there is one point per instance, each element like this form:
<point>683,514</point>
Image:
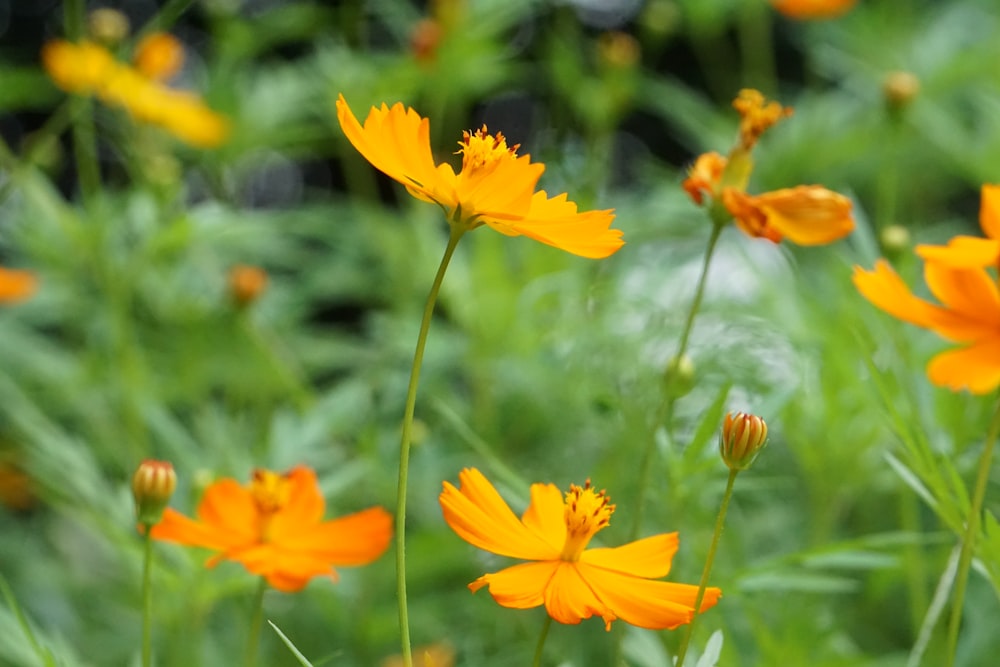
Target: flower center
<point>587,511</point>
<point>270,492</point>
<point>480,149</point>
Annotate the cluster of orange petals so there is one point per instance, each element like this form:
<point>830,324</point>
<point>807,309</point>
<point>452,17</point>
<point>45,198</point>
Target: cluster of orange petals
<point>806,10</point>
<point>806,214</point>
<point>573,582</point>
<point>16,285</point>
<point>90,69</point>
<point>495,187</point>
<point>274,526</point>
<point>969,310</point>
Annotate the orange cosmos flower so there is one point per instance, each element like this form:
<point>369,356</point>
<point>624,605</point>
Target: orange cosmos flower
<point>495,187</point>
<point>970,251</point>
<point>90,69</point>
<point>813,9</point>
<point>159,56</point>
<point>275,527</point>
<point>969,315</point>
<point>16,285</point>
<point>573,582</point>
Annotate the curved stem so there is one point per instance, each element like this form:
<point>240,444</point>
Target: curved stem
<point>404,445</point>
<point>969,539</point>
<point>703,584</point>
<point>256,621</point>
<point>537,662</point>
<point>147,597</point>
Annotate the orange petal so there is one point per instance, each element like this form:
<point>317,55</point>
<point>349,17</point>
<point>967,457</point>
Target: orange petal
<point>175,527</point>
<point>649,557</point>
<point>557,223</point>
<point>886,290</point>
<point>704,176</point>
<point>274,560</point>
<point>502,190</point>
<point>481,517</point>
<point>989,211</point>
<point>228,507</point>
<point>396,141</point>
<point>303,511</point>
<point>655,605</point>
<point>77,68</point>
<point>967,252</point>
<point>748,218</point>
<point>355,539</point>
<point>16,285</point>
<point>807,214</point>
<point>970,292</point>
<point>813,9</point>
<point>569,599</point>
<point>546,515</point>
<point>976,368</point>
<point>159,56</point>
<point>519,587</point>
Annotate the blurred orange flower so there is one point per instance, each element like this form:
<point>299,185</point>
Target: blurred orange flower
<point>573,582</point>
<point>970,251</point>
<point>159,56</point>
<point>16,285</point>
<point>90,69</point>
<point>275,527</point>
<point>495,187</point>
<point>970,315</point>
<point>813,9</point>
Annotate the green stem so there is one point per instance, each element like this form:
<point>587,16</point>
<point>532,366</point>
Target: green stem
<point>165,18</point>
<point>457,230</point>
<point>147,596</point>
<point>537,662</point>
<point>969,539</point>
<point>703,584</point>
<point>82,110</point>
<point>256,621</point>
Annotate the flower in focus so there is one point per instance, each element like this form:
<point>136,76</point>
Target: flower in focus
<point>969,315</point>
<point>969,251</point>
<point>743,436</point>
<point>275,527</point>
<point>813,9</point>
<point>806,214</point>
<point>90,69</point>
<point>573,582</point>
<point>495,187</point>
<point>16,285</point>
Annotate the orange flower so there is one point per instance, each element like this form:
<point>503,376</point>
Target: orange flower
<point>495,187</point>
<point>813,9</point>
<point>275,527</point>
<point>90,69</point>
<point>705,177</point>
<point>573,582</point>
<point>970,315</point>
<point>16,286</point>
<point>159,56</point>
<point>970,251</point>
<point>757,114</point>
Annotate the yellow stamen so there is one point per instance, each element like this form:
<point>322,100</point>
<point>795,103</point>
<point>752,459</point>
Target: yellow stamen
<point>587,511</point>
<point>482,149</point>
<point>270,492</point>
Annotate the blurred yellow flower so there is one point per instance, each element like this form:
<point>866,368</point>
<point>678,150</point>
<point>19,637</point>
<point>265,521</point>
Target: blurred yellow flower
<point>969,315</point>
<point>573,582</point>
<point>495,187</point>
<point>970,251</point>
<point>90,69</point>
<point>813,9</point>
<point>16,285</point>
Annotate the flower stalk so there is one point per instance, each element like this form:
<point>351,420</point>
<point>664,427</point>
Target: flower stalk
<point>256,621</point>
<point>539,649</point>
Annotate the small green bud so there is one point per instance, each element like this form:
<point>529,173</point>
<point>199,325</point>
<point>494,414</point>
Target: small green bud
<point>679,376</point>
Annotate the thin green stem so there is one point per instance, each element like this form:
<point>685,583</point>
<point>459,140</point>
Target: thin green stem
<point>457,230</point>
<point>703,584</point>
<point>537,662</point>
<point>256,621</point>
<point>82,110</point>
<point>969,539</point>
<point>147,596</point>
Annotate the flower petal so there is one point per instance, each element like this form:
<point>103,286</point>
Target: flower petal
<point>807,214</point>
<point>501,190</point>
<point>655,605</point>
<point>303,510</point>
<point>649,557</point>
<point>976,368</point>
<point>177,528</point>
<point>481,517</point>
<point>569,598</point>
<point>557,223</point>
<point>970,293</point>
<point>518,587</point>
<point>546,515</point>
<point>396,141</point>
<point>887,291</point>
<point>227,506</point>
<point>283,568</point>
<point>355,539</point>
<point>989,211</point>
<point>967,252</point>
<point>16,285</point>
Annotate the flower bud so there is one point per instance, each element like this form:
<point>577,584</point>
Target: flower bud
<point>152,485</point>
<point>108,26</point>
<point>743,436</point>
<point>899,89</point>
<point>246,283</point>
<point>679,376</point>
<point>895,240</point>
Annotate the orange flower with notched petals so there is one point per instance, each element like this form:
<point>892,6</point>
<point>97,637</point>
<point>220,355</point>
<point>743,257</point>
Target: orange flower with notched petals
<point>495,186</point>
<point>275,527</point>
<point>970,251</point>
<point>813,9</point>
<point>573,582</point>
<point>969,315</point>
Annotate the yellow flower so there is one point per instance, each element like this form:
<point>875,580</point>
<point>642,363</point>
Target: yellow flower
<point>969,315</point>
<point>813,9</point>
<point>90,69</point>
<point>573,582</point>
<point>970,251</point>
<point>495,187</point>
